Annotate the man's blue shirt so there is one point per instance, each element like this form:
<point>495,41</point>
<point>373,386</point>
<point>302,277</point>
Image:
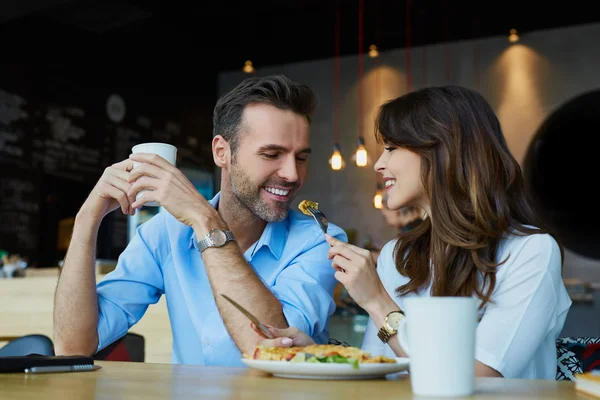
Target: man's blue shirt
<point>162,258</point>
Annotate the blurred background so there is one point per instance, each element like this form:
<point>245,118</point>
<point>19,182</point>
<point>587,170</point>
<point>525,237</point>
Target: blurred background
<point>81,82</point>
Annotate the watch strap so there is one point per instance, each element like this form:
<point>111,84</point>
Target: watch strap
<point>386,331</point>
<point>206,242</point>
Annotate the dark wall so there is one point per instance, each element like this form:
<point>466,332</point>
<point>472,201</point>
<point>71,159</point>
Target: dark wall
<point>561,170</point>
<point>57,137</point>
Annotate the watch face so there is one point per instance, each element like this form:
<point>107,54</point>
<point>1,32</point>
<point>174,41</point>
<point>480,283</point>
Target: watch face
<point>394,319</point>
<point>218,237</point>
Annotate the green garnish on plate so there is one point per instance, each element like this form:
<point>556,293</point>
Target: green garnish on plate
<point>335,359</point>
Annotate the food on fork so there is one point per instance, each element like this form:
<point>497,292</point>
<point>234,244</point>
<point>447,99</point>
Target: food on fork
<point>304,204</point>
<point>318,353</point>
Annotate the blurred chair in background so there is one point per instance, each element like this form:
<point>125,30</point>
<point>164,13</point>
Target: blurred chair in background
<point>130,347</point>
<point>576,355</point>
<point>25,345</point>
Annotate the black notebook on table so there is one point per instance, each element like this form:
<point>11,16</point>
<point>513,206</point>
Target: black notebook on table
<point>22,363</point>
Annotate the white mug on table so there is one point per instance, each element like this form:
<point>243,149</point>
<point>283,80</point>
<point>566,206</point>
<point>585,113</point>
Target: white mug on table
<point>438,334</point>
<point>165,150</point>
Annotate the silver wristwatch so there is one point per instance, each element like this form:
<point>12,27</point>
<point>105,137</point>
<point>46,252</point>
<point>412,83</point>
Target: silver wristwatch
<point>215,238</point>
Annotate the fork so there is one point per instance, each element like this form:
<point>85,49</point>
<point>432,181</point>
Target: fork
<point>319,217</point>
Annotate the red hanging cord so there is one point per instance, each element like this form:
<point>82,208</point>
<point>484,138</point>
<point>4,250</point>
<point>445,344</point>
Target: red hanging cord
<point>476,54</point>
<point>424,64</point>
<point>336,78</point>
<point>446,44</point>
<point>422,30</point>
<point>360,66</point>
<point>378,176</point>
<point>408,39</point>
<point>378,25</point>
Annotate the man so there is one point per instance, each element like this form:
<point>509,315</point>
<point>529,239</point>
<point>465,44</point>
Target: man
<point>273,261</point>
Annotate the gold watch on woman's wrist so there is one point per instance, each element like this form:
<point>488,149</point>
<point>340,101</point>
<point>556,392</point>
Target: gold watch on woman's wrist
<point>390,325</point>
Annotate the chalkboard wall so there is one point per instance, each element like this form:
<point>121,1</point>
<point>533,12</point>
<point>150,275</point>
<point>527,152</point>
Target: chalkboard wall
<point>58,132</point>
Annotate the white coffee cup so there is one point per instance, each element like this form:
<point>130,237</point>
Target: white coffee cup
<point>165,150</point>
<point>438,334</point>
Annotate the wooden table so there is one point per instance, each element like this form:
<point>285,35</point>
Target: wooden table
<point>119,380</point>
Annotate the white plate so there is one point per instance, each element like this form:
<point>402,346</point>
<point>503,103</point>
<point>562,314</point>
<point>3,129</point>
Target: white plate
<point>285,369</point>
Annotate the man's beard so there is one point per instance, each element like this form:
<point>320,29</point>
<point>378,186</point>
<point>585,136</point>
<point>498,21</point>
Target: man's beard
<point>249,195</point>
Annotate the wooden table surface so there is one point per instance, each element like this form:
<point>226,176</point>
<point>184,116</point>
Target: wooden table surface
<point>120,380</point>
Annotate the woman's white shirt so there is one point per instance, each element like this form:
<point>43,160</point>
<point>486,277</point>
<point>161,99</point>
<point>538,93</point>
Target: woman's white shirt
<point>517,332</point>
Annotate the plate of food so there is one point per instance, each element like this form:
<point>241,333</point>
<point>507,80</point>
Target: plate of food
<point>323,362</point>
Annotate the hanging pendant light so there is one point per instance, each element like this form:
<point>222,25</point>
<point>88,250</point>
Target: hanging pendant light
<point>378,198</point>
<point>336,160</point>
<point>361,158</point>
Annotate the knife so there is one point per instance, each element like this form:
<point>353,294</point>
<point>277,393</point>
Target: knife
<point>251,317</point>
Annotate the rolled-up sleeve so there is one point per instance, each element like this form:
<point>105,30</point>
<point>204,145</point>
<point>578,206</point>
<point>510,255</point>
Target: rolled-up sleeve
<point>305,289</point>
<point>125,293</point>
<point>524,307</point>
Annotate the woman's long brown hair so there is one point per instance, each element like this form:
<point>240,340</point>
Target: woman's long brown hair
<point>474,185</point>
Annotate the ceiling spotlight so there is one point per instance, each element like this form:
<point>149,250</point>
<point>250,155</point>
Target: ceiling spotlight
<point>373,52</point>
<point>248,67</point>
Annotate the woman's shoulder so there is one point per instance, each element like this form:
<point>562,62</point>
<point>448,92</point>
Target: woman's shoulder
<point>539,242</point>
<point>539,251</point>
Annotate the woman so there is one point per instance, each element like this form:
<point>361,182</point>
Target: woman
<point>445,153</point>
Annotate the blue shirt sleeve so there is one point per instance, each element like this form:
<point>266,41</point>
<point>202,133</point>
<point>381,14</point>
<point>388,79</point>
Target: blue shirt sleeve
<point>305,289</point>
<point>137,281</point>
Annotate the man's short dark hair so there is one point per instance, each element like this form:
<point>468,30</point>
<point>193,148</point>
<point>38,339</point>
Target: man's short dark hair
<point>276,90</point>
